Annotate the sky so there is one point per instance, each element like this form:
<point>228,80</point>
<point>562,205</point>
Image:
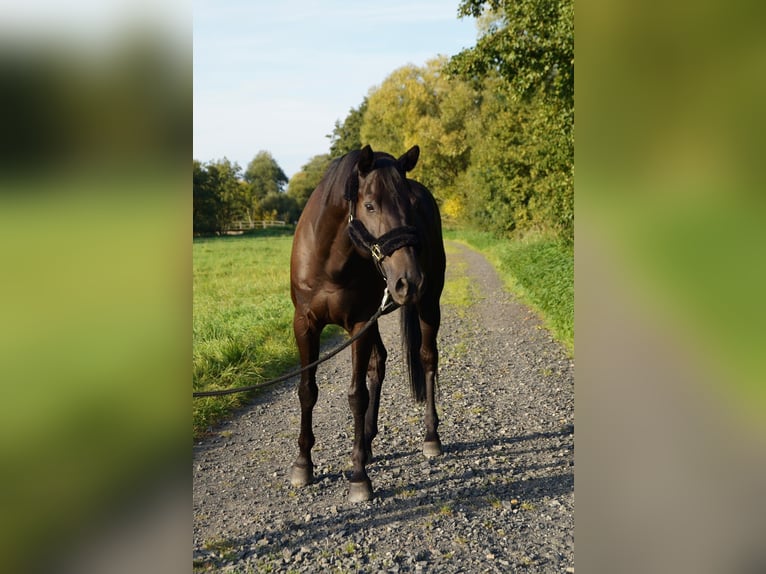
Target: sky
<point>277,75</point>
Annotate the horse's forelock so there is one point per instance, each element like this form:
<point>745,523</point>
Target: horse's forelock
<point>344,172</point>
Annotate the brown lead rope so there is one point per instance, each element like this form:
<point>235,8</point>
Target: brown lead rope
<point>385,306</point>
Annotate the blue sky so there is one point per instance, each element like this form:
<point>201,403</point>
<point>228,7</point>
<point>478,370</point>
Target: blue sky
<point>276,75</point>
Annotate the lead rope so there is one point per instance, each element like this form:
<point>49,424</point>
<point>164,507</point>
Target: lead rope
<point>386,306</point>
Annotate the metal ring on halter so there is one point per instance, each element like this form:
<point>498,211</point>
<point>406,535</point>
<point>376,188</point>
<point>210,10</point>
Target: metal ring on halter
<point>377,254</point>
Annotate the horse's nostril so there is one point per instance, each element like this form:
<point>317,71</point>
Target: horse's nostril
<point>402,287</point>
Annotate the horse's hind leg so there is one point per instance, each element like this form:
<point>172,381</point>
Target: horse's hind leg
<point>429,355</point>
<point>307,339</point>
<point>375,374</point>
<point>360,488</point>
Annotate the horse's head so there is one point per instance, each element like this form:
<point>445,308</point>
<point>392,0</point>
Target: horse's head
<point>383,222</point>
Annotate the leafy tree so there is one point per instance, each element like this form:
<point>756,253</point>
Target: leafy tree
<point>306,180</point>
<point>522,165</point>
<point>263,176</point>
<point>422,105</point>
<point>279,206</point>
<point>346,137</point>
<point>530,43</point>
<point>225,177</point>
<point>206,201</point>
<point>218,195</point>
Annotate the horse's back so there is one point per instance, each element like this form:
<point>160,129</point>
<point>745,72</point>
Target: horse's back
<point>431,224</point>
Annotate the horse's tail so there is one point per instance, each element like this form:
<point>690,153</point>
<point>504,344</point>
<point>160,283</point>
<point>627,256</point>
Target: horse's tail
<point>411,339</point>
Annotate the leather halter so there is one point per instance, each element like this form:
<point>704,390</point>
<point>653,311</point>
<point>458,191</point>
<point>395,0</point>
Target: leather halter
<point>383,246</point>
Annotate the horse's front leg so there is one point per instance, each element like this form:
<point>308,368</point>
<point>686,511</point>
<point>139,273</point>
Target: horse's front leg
<point>429,355</point>
<point>307,339</point>
<point>360,488</point>
<point>375,374</point>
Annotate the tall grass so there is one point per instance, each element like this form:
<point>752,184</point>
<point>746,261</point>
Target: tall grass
<point>537,269</point>
<point>242,318</point>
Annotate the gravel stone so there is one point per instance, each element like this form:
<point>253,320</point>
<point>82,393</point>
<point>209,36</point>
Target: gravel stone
<point>500,499</point>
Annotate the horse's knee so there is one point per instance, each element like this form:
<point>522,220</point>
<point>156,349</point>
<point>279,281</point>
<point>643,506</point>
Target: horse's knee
<point>358,397</point>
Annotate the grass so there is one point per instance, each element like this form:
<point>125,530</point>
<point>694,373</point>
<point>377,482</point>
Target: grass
<point>242,318</point>
<point>539,270</point>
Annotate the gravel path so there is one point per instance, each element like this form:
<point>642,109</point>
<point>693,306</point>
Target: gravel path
<point>501,499</point>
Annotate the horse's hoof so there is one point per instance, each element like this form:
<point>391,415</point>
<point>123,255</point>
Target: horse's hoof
<point>301,475</point>
<point>360,491</point>
<point>432,448</point>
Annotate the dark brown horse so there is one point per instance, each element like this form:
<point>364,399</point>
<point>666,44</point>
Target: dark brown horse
<point>367,228</point>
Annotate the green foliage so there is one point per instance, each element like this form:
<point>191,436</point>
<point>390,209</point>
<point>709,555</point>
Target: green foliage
<point>218,195</point>
<point>206,201</point>
<point>493,156</point>
<point>280,206</point>
<point>306,180</point>
<point>346,137</point>
<point>263,176</point>
<point>222,194</point>
<point>521,175</point>
<point>265,179</point>
<point>529,43</point>
<point>423,106</point>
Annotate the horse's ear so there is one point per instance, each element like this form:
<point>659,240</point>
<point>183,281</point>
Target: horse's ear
<point>365,161</point>
<point>410,159</point>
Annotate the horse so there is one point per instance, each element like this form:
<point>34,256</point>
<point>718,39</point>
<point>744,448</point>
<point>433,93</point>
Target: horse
<point>365,229</point>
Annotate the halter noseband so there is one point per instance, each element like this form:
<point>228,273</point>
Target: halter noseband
<point>383,246</point>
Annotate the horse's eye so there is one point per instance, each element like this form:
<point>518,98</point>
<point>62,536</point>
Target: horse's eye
<point>369,207</point>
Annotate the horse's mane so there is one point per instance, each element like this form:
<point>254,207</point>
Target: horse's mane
<point>338,177</point>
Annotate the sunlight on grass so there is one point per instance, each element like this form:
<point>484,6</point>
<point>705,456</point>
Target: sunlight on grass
<point>242,325</point>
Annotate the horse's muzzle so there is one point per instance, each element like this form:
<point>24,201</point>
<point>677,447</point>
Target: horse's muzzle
<point>407,288</point>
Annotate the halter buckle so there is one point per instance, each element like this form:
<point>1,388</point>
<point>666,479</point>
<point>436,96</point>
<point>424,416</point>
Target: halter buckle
<point>376,253</point>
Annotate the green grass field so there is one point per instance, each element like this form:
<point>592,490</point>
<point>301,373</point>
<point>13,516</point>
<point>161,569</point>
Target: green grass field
<point>242,317</point>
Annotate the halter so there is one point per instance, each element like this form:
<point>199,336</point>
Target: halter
<point>383,246</point>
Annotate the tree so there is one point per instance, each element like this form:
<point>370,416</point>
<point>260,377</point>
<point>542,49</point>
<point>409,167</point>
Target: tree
<point>423,106</point>
<point>218,195</point>
<point>206,201</point>
<point>522,166</point>
<point>279,206</point>
<point>346,137</point>
<point>306,180</point>
<point>263,176</point>
<point>529,43</point>
<point>226,178</point>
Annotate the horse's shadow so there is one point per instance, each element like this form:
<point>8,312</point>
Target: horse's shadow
<point>426,496</point>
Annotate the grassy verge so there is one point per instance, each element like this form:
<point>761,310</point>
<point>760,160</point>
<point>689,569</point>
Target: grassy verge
<point>242,322</point>
<point>539,270</point>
